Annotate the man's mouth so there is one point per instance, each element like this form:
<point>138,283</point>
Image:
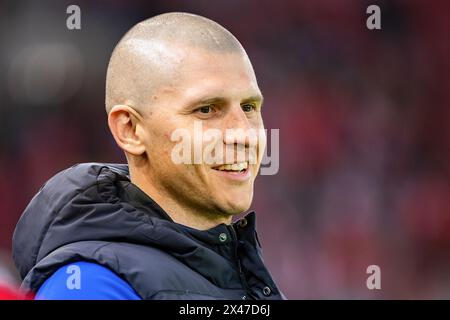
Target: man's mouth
<point>233,167</point>
<point>234,171</point>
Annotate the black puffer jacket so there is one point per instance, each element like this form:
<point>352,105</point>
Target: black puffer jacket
<point>92,212</point>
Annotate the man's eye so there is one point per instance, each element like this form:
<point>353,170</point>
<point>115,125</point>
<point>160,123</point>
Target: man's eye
<point>205,109</point>
<point>248,107</point>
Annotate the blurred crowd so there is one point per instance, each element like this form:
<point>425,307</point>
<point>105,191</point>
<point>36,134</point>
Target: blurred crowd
<point>363,118</point>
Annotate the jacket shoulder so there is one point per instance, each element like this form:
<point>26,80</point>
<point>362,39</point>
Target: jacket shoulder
<point>85,281</point>
<point>152,272</point>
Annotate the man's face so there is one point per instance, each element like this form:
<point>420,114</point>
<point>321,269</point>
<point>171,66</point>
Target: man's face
<point>218,91</point>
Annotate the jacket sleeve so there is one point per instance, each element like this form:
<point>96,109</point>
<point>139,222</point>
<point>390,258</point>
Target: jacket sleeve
<point>85,281</point>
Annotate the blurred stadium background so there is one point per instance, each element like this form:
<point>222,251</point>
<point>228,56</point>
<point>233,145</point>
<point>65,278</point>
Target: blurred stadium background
<point>363,117</point>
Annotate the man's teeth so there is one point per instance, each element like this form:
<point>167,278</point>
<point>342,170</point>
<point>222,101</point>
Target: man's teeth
<point>233,167</point>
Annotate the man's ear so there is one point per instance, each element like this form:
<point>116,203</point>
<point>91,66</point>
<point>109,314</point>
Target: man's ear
<point>126,124</point>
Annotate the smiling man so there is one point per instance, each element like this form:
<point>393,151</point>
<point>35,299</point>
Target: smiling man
<point>157,228</point>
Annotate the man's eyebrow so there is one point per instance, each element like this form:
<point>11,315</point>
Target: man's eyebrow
<point>223,100</point>
<point>214,100</point>
<point>255,98</point>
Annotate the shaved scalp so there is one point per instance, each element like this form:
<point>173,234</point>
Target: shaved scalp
<point>148,55</point>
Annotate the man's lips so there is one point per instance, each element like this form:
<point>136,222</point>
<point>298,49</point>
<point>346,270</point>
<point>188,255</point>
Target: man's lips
<point>232,167</point>
<point>235,171</point>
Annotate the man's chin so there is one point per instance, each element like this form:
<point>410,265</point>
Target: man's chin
<point>235,206</point>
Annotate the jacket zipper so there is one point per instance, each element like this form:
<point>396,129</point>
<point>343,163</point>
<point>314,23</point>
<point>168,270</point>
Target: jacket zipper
<point>236,257</point>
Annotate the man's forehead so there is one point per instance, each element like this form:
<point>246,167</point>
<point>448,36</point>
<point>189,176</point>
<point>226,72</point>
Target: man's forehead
<point>206,66</point>
<point>182,62</point>
<point>210,74</point>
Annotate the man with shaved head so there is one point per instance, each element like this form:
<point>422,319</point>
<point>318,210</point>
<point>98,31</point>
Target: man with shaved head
<point>159,227</point>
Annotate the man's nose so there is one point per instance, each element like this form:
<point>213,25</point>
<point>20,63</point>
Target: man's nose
<point>237,127</point>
